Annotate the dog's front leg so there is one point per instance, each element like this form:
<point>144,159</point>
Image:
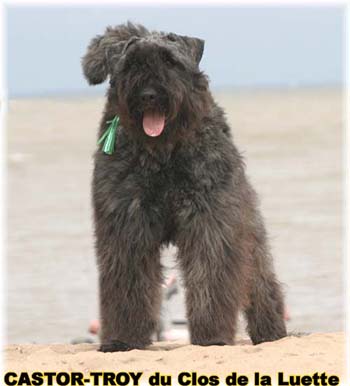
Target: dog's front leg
<point>129,279</point>
<point>214,275</point>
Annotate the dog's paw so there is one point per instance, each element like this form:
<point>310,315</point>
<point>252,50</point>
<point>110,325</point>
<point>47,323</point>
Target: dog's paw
<point>115,345</point>
<point>267,338</point>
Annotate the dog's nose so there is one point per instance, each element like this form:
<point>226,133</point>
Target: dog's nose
<point>148,95</point>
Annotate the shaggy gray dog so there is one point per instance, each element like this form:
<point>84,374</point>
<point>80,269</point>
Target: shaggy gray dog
<point>175,177</point>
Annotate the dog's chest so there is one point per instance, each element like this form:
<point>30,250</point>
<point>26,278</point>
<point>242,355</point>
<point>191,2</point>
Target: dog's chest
<point>164,188</point>
<point>172,183</point>
<point>166,182</point>
<point>167,187</point>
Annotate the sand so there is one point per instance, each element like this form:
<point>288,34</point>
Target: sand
<point>292,355</point>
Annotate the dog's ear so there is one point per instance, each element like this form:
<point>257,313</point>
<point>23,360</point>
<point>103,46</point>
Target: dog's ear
<point>94,62</point>
<point>104,50</point>
<point>193,47</point>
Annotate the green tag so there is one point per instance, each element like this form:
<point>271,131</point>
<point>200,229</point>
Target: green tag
<point>108,137</point>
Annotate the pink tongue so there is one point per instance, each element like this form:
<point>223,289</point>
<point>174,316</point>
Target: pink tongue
<point>153,123</point>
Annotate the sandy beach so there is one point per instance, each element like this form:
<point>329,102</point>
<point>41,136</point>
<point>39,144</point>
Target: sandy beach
<point>291,355</point>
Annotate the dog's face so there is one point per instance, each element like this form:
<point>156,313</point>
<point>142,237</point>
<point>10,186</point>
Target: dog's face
<point>154,78</point>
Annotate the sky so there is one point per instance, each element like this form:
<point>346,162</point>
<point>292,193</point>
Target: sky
<point>248,46</point>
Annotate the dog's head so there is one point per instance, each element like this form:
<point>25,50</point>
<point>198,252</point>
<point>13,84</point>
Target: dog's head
<point>155,82</point>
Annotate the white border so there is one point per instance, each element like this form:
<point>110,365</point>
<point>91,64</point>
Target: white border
<point>3,153</point>
<point>212,3</point>
<point>218,3</point>
<point>346,188</point>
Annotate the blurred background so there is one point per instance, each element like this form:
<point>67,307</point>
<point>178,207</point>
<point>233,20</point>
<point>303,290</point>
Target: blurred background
<point>279,74</point>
